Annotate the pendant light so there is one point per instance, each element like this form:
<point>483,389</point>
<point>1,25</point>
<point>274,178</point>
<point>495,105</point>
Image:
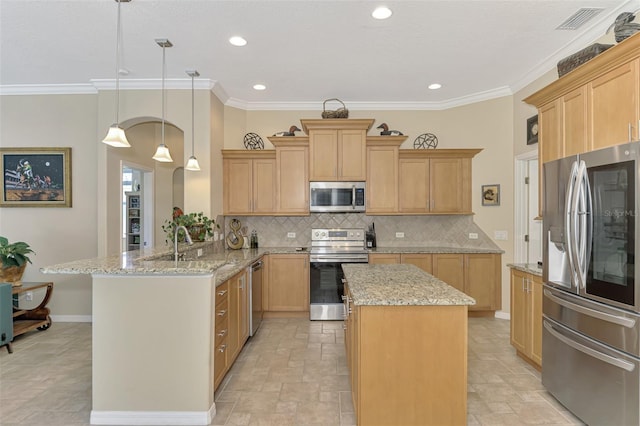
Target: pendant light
<point>115,135</point>
<point>192,163</point>
<point>162,153</point>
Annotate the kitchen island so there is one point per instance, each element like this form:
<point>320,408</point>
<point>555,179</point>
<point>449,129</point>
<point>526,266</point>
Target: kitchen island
<point>153,329</point>
<point>406,340</point>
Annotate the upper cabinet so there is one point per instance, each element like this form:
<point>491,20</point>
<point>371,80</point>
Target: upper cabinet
<point>382,174</point>
<point>435,181</point>
<point>337,149</point>
<point>249,181</point>
<point>292,175</point>
<point>594,106</point>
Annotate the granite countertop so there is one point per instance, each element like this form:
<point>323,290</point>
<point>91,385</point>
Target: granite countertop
<point>399,285</point>
<point>530,268</point>
<point>435,249</point>
<point>157,261</point>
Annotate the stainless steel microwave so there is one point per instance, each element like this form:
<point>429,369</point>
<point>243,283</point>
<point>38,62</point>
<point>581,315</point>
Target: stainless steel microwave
<point>336,197</point>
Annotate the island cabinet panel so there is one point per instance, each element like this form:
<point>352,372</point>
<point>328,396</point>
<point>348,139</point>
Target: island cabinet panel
<point>249,182</point>
<point>287,286</point>
<point>478,275</point>
<point>221,338</point>
<point>409,364</point>
<point>526,315</point>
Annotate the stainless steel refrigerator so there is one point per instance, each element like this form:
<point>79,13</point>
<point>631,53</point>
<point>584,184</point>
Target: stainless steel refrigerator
<point>591,305</point>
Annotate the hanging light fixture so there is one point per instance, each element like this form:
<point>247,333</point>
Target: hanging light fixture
<point>115,135</point>
<point>192,163</point>
<point>162,153</point>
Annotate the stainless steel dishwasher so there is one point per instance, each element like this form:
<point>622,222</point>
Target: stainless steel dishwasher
<point>255,315</point>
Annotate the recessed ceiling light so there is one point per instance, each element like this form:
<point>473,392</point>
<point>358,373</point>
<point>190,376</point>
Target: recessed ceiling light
<point>381,12</point>
<point>259,86</point>
<point>237,41</point>
<point>434,86</point>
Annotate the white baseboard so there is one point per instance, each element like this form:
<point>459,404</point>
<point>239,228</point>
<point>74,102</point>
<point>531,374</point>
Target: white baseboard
<point>163,418</point>
<point>503,315</point>
<point>71,318</point>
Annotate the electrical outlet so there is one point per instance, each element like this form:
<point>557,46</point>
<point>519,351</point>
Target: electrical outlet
<point>291,234</point>
<point>500,235</point>
<point>399,234</point>
<point>215,236</point>
<point>473,235</point>
<point>199,252</point>
<point>28,295</point>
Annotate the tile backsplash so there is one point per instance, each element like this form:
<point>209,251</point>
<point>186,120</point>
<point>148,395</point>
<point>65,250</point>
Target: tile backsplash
<point>441,231</point>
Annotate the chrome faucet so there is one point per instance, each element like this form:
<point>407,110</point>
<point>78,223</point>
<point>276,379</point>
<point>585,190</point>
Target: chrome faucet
<point>187,238</point>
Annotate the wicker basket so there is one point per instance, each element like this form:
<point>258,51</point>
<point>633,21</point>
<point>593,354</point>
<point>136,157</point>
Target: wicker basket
<point>572,62</point>
<point>342,112</point>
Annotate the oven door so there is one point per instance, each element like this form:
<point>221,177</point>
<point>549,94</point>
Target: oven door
<point>326,289</point>
<point>613,181</point>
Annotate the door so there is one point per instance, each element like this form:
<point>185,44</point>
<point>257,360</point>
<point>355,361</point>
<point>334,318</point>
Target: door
<point>613,180</point>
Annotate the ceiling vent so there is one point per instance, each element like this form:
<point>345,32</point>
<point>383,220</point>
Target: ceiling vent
<point>579,18</point>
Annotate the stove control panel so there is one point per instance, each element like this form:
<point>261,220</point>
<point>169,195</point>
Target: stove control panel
<point>337,234</point>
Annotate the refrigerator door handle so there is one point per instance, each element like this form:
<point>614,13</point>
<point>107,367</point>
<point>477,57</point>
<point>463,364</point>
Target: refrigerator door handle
<point>570,219</point>
<point>616,362</point>
<point>580,205</point>
<point>615,319</point>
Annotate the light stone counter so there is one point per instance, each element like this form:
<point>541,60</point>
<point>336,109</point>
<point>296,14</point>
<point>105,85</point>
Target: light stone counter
<point>530,268</point>
<point>402,284</point>
<point>435,249</point>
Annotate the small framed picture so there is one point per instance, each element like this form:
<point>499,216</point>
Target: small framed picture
<point>532,130</point>
<point>36,177</point>
<point>491,195</point>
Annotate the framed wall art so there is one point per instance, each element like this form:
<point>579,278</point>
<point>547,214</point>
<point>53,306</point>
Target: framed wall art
<point>491,195</point>
<point>36,177</point>
<point>532,130</point>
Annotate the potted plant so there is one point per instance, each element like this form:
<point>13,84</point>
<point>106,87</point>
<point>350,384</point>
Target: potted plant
<point>198,225</point>
<point>14,258</point>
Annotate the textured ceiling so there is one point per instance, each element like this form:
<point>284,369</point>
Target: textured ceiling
<point>303,51</point>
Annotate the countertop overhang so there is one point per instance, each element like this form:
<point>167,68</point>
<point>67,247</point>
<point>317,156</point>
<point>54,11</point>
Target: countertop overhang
<point>399,285</point>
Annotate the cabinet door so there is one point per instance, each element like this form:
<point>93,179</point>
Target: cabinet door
<point>384,258</point>
<point>421,260</point>
<point>413,188</point>
<point>614,101</point>
<point>288,283</point>
<point>550,144</point>
<point>264,186</point>
<point>323,155</point>
<point>450,269</point>
<point>233,341</point>
<point>293,179</point>
<point>518,310</point>
<point>237,185</point>
<point>574,112</point>
<point>482,281</point>
<point>352,155</point>
<point>382,179</point>
<point>536,318</point>
<point>448,185</point>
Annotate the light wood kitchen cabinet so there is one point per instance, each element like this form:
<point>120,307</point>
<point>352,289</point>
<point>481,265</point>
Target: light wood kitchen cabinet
<point>435,181</point>
<point>382,174</point>
<point>337,149</point>
<point>292,171</point>
<point>249,182</point>
<point>231,323</point>
<point>384,258</point>
<point>526,315</point>
<point>286,288</point>
<point>594,106</point>
<point>423,261</point>
<point>478,275</point>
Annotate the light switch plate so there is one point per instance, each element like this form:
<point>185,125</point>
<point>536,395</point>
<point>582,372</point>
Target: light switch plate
<point>500,235</point>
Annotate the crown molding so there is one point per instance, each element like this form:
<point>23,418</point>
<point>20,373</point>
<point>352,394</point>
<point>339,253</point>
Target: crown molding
<point>153,84</point>
<point>48,89</point>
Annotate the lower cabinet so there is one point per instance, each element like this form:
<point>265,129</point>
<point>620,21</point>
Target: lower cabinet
<point>526,315</point>
<point>478,275</point>
<point>286,288</point>
<point>231,323</point>
<point>402,371</point>
<point>384,258</point>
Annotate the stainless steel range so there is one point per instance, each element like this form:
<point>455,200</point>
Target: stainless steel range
<point>330,248</point>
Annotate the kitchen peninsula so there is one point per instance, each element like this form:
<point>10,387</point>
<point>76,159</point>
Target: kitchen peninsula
<point>406,340</point>
<point>153,331</point>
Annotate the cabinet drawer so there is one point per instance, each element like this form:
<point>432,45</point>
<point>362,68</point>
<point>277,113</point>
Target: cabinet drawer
<point>222,331</point>
<point>219,362</point>
<point>222,312</point>
<point>222,292</point>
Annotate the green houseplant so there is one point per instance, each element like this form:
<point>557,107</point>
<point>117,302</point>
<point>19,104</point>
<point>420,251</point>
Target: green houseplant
<point>198,225</point>
<point>14,258</point>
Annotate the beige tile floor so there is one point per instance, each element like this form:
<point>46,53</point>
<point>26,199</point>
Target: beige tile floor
<point>292,373</point>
